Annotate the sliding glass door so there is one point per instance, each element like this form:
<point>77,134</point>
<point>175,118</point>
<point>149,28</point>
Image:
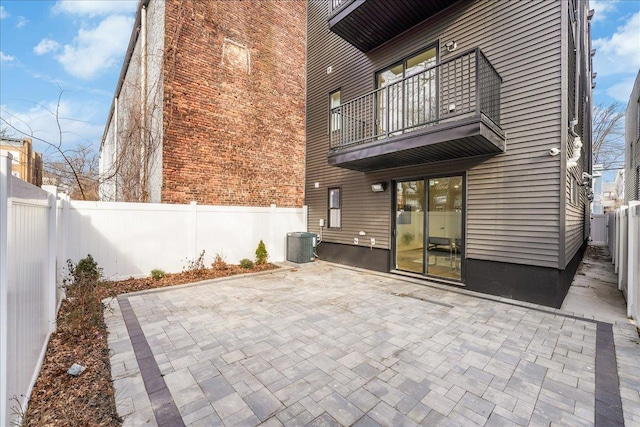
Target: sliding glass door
<point>410,226</point>
<point>434,205</point>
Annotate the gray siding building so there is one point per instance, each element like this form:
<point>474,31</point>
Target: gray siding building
<point>448,139</point>
<point>632,139</point>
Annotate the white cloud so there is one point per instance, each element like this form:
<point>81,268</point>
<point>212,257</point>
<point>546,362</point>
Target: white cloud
<point>39,122</point>
<point>93,8</point>
<point>6,58</point>
<point>22,21</point>
<point>621,91</point>
<point>46,46</point>
<point>3,13</point>
<point>603,8</point>
<point>94,50</point>
<point>620,52</point>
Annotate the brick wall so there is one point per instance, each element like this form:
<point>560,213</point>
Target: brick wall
<point>234,102</point>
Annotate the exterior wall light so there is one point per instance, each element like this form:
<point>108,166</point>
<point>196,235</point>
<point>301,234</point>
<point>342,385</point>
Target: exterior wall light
<point>451,46</point>
<point>378,187</point>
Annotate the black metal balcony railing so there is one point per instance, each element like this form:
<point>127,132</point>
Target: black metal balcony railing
<point>462,86</point>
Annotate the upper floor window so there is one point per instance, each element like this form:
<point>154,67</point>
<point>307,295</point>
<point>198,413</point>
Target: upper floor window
<point>410,94</point>
<point>335,116</point>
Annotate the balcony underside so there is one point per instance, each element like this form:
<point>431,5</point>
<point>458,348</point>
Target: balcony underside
<point>470,137</point>
<point>368,24</point>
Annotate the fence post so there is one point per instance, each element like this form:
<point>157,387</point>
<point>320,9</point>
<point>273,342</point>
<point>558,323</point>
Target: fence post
<point>305,217</point>
<point>273,221</point>
<point>5,192</point>
<point>193,229</point>
<point>622,249</point>
<point>52,270</point>
<point>632,263</point>
<point>616,246</point>
<point>63,255</point>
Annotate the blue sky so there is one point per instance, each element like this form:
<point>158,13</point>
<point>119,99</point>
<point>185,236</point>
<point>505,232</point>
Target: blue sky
<point>77,46</point>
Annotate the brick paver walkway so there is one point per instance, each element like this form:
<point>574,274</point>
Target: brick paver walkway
<point>324,345</point>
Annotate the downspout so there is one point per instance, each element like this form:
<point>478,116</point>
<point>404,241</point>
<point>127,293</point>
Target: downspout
<point>143,103</point>
<point>578,39</point>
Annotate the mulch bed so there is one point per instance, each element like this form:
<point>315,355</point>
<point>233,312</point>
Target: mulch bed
<point>59,399</point>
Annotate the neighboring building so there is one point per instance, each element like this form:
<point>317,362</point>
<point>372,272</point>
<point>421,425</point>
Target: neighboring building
<point>632,141</point>
<point>448,139</point>
<point>613,193</point>
<point>221,117</point>
<point>27,164</point>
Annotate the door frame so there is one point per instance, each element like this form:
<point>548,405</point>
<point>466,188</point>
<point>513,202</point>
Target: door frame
<point>425,237</point>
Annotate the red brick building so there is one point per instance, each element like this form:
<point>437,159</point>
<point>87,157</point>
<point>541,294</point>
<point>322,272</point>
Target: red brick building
<point>221,118</point>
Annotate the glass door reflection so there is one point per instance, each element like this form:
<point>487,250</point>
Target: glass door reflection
<point>409,232</point>
<point>444,221</point>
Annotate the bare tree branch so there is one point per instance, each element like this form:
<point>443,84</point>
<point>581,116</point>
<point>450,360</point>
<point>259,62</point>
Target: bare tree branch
<point>70,167</point>
<point>608,134</point>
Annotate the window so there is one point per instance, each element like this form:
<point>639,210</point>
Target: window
<point>573,188</point>
<point>334,208</point>
<point>334,102</point>
<point>409,98</point>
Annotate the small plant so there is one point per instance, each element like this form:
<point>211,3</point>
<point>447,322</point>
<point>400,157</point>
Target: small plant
<point>19,413</point>
<point>246,263</point>
<point>84,306</point>
<point>218,262</point>
<point>86,270</point>
<point>157,274</point>
<point>261,253</point>
<point>196,264</point>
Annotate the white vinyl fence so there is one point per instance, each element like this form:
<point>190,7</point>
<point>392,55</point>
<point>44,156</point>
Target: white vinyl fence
<point>27,286</point>
<point>599,230</point>
<point>40,230</point>
<point>624,245</point>
<point>131,239</point>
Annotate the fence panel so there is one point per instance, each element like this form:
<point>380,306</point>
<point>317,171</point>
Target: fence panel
<point>599,230</point>
<point>131,239</point>
<point>611,220</point>
<point>633,277</point>
<point>623,249</point>
<point>27,286</point>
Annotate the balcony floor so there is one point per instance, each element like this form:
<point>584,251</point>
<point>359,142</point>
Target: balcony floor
<point>468,137</point>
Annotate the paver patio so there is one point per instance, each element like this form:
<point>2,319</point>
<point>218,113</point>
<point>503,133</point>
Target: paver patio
<point>324,345</point>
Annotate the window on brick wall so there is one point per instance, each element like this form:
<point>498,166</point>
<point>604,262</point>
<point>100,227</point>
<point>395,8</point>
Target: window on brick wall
<point>335,212</point>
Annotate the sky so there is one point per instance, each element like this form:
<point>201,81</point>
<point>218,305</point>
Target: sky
<point>66,56</point>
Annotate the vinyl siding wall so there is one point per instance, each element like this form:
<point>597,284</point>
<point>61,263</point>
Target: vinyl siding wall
<point>513,199</point>
<point>632,137</point>
<point>577,214</point>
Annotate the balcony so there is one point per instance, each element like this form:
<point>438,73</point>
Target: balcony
<point>445,112</point>
<point>367,24</point>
